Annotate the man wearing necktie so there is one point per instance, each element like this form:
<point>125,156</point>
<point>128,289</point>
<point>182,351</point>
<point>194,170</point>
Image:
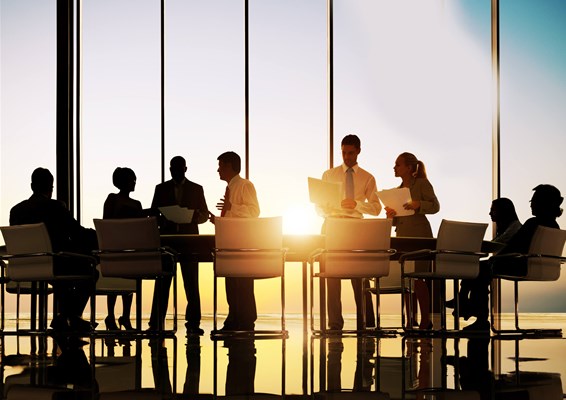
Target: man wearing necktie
<point>240,201</point>
<point>182,192</point>
<point>360,197</point>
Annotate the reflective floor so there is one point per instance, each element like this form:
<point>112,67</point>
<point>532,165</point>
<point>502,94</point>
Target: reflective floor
<point>390,367</point>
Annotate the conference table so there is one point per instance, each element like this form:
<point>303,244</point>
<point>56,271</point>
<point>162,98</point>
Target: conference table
<point>199,248</point>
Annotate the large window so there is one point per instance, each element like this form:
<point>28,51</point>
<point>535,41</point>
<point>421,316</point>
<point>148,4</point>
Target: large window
<point>533,94</point>
<point>121,119</point>
<point>418,79</point>
<point>27,98</point>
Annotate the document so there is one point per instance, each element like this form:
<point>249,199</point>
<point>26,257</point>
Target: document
<point>325,193</point>
<point>395,198</point>
<point>177,214</point>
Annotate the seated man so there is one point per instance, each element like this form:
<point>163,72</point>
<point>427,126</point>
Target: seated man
<point>66,234</point>
<point>545,207</point>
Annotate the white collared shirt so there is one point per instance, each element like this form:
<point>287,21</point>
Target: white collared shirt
<point>243,198</point>
<point>365,192</point>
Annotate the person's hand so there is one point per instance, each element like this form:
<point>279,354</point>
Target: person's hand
<point>224,205</point>
<point>413,205</point>
<point>211,217</point>
<point>348,203</point>
<point>390,213</point>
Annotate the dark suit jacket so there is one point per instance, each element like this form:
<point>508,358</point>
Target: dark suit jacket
<point>192,197</point>
<point>65,232</point>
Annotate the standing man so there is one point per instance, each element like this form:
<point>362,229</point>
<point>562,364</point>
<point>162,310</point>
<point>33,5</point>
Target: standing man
<point>360,197</point>
<point>65,234</point>
<point>240,201</point>
<point>184,193</point>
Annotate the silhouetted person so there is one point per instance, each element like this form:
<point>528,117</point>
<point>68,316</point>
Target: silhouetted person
<point>240,201</point>
<point>192,376</point>
<point>545,207</point>
<point>160,369</point>
<point>506,221</point>
<point>363,375</point>
<point>360,197</point>
<point>423,201</point>
<point>184,193</point>
<point>120,205</point>
<point>240,372</point>
<point>66,234</point>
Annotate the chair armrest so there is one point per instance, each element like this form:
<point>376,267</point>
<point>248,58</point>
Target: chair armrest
<point>515,256</point>
<point>315,254</point>
<point>413,255</point>
<point>463,253</point>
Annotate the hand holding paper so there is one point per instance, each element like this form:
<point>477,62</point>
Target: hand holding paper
<point>395,199</point>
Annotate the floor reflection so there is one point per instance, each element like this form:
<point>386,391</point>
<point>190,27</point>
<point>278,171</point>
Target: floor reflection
<point>391,367</point>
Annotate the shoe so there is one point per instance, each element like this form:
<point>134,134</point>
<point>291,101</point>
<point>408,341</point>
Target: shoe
<point>195,331</point>
<point>125,322</point>
<point>110,323</point>
<point>60,323</point>
<point>480,326</point>
<point>80,325</point>
<point>426,327</point>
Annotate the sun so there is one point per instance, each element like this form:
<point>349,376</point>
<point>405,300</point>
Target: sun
<point>300,219</point>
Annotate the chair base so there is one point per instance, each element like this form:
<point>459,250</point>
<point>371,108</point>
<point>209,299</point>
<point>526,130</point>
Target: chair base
<point>377,332</point>
<point>256,334</point>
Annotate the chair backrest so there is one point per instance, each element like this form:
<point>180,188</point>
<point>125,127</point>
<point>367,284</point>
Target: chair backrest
<point>346,234</point>
<point>28,239</point>
<point>460,237</point>
<point>141,234</point>
<point>546,242</point>
<point>263,235</point>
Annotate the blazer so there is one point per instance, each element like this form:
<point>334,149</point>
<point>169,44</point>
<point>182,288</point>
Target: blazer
<point>192,197</point>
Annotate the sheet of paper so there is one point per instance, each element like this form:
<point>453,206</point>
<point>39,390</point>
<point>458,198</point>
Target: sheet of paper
<point>179,215</point>
<point>395,198</point>
<point>325,193</point>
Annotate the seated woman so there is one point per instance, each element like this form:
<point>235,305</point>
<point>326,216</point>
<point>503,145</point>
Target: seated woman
<point>120,205</point>
<point>506,221</point>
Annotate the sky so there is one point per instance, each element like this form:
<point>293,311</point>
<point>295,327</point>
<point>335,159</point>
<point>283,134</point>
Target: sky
<point>408,76</point>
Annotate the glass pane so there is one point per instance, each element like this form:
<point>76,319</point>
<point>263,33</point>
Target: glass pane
<point>27,106</point>
<point>204,90</point>
<point>533,94</point>
<point>288,128</point>
<point>418,79</point>
<point>120,99</point>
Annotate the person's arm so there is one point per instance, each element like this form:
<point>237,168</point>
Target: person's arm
<point>249,208</point>
<point>428,203</point>
<point>109,205</point>
<point>202,211</point>
<point>371,205</point>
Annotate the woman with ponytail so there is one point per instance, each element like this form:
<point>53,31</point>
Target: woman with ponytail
<point>423,201</point>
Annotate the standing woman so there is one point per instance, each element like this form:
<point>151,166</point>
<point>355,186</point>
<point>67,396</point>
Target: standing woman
<point>120,205</point>
<point>423,201</point>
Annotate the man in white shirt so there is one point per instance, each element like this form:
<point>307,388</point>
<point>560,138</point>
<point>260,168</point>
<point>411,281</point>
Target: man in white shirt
<point>358,200</point>
<point>240,201</point>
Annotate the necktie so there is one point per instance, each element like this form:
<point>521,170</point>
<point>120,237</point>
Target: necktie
<point>226,197</point>
<point>350,183</point>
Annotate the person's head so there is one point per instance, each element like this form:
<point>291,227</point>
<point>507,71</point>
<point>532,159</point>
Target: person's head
<point>503,213</point>
<point>42,182</point>
<point>546,202</point>
<point>408,165</point>
<point>229,165</point>
<point>351,147</point>
<point>178,167</point>
<point>124,179</point>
